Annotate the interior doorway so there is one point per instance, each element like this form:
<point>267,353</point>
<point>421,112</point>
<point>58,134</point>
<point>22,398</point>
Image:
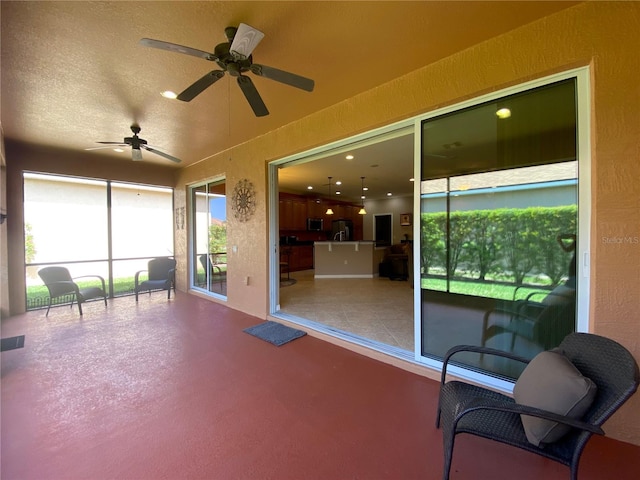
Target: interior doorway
<point>374,172</point>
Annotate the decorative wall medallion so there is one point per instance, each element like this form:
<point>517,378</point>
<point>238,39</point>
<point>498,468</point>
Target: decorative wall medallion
<point>243,203</point>
<point>180,218</point>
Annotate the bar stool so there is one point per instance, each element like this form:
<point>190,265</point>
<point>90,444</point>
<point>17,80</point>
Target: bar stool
<point>285,265</point>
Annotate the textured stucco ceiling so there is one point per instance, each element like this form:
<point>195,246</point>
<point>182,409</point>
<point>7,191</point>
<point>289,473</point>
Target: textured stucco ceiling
<point>73,73</point>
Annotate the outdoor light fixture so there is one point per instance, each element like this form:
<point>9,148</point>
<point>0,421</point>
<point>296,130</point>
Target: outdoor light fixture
<point>362,210</point>
<point>329,211</point>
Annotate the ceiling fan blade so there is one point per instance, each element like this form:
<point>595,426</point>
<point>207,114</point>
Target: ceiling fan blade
<point>108,145</point>
<point>200,85</point>
<point>162,154</point>
<point>173,47</point>
<point>283,77</point>
<point>252,96</point>
<point>246,39</point>
<point>136,154</point>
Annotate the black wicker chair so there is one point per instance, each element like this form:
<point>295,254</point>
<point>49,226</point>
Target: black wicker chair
<point>466,408</point>
<point>59,282</point>
<point>160,276</point>
<point>544,323</point>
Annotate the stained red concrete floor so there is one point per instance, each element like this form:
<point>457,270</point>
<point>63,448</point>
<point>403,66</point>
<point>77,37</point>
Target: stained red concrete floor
<point>175,390</point>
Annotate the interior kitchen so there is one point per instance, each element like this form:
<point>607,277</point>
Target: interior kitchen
<point>345,234</point>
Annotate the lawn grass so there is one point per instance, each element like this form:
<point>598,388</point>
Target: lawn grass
<point>38,294</point>
<point>479,289</point>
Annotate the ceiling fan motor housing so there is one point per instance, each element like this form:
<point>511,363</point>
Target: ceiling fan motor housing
<point>230,63</point>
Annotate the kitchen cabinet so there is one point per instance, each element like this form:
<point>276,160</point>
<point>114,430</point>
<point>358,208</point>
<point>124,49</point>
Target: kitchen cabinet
<point>298,257</point>
<point>299,214</point>
<point>305,257</point>
<point>285,213</point>
<point>295,209</point>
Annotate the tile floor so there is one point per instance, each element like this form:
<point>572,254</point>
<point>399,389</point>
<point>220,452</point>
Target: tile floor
<point>375,308</point>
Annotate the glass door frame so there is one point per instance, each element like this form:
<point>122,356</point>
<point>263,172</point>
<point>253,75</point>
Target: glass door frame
<point>192,237</point>
<point>583,104</point>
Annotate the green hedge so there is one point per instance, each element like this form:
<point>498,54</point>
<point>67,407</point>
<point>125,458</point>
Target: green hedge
<point>505,244</point>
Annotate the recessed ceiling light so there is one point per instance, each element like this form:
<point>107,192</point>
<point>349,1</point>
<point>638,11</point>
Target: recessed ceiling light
<point>338,182</point>
<point>365,188</point>
<point>338,192</point>
<point>169,94</point>
<point>503,113</point>
<point>309,187</point>
<point>389,194</point>
<point>412,179</point>
<point>119,150</point>
<point>349,157</point>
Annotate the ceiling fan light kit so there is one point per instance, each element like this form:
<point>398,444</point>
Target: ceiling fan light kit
<point>235,58</point>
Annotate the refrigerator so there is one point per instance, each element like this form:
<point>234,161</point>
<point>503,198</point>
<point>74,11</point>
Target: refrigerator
<point>341,230</point>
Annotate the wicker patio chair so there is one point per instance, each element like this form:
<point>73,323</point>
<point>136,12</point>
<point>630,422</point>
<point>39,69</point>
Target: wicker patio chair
<point>544,322</point>
<point>160,276</point>
<point>466,408</point>
<point>59,282</point>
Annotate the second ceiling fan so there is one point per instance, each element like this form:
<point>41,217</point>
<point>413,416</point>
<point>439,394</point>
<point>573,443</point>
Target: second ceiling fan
<point>234,57</point>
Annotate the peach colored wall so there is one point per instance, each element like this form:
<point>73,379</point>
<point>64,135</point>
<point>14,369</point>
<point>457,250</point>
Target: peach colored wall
<point>604,36</point>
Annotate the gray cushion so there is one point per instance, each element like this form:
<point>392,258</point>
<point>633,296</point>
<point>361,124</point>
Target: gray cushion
<point>551,382</point>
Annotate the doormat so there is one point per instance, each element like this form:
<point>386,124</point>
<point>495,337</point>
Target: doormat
<point>12,343</point>
<point>274,332</point>
<point>288,282</point>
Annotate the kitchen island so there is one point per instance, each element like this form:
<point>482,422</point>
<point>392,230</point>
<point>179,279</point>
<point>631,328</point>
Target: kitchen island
<point>359,259</point>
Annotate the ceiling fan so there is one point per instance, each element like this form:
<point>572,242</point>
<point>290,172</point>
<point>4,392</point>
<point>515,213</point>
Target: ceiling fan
<point>137,144</point>
<point>234,57</point>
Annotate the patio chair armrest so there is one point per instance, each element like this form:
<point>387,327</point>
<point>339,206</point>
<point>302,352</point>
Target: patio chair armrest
<point>495,328</point>
<point>137,276</point>
<point>516,312</point>
<point>476,349</point>
<point>510,407</point>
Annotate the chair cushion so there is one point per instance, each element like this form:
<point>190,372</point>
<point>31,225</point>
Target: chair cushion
<point>551,382</point>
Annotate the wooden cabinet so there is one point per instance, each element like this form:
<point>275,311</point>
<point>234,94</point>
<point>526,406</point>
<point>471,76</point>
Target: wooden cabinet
<point>315,208</point>
<point>286,213</point>
<point>293,212</point>
<point>299,214</point>
<point>296,257</point>
<point>305,257</point>
<point>295,209</point>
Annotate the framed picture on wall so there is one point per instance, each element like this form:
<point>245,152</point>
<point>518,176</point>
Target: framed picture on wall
<point>405,219</point>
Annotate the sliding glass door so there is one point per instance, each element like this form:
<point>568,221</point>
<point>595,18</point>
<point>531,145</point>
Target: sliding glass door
<point>209,261</point>
<point>499,225</point>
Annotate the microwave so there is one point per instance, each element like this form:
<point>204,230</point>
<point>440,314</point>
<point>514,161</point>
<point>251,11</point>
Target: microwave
<point>314,224</point>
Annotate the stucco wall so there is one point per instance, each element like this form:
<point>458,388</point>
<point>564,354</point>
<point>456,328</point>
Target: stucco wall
<point>604,36</point>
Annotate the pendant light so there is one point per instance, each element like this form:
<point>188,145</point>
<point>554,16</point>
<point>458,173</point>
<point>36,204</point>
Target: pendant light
<point>329,211</point>
<point>362,210</point>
